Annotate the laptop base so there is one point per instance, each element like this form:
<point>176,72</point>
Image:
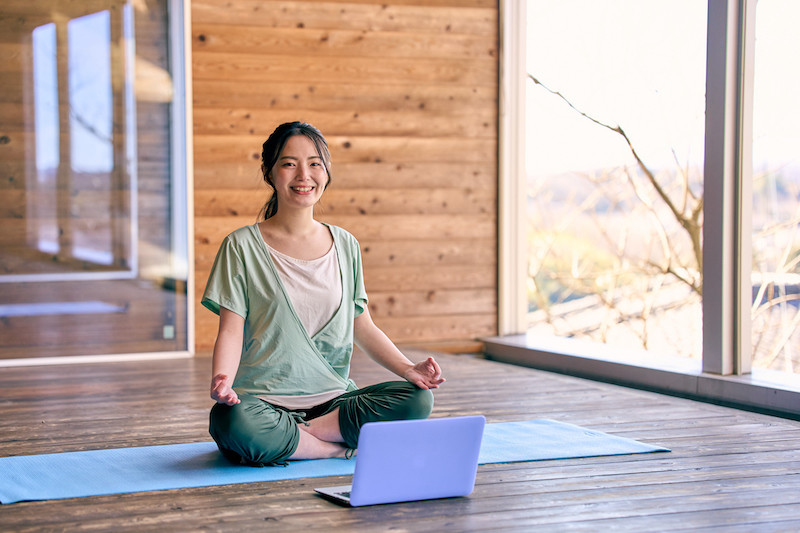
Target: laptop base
<point>340,494</point>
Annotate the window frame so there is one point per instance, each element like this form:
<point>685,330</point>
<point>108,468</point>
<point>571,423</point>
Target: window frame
<point>724,374</point>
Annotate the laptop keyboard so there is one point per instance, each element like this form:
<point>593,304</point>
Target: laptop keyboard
<point>344,494</point>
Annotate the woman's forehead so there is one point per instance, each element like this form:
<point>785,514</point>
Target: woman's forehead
<point>299,146</point>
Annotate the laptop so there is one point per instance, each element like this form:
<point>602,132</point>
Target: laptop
<point>409,460</point>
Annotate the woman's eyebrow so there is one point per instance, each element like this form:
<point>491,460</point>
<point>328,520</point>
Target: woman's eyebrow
<point>295,158</point>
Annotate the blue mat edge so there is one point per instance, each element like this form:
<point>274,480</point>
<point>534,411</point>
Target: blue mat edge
<point>307,469</point>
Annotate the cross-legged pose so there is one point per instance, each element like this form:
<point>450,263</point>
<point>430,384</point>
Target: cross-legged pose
<point>289,292</point>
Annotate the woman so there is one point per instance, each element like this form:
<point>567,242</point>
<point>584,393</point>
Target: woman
<point>291,301</point>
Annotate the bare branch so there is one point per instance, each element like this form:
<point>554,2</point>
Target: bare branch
<point>689,223</point>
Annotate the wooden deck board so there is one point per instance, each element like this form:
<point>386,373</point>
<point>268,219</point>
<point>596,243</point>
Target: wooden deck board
<point>729,470</point>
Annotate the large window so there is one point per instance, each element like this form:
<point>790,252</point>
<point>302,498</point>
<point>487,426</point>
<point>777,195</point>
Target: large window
<point>615,100</point>
<point>776,188</point>
<point>93,256</point>
<point>659,132</point>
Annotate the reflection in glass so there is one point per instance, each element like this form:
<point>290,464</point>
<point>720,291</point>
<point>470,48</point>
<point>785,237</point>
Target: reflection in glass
<point>91,138</point>
<point>90,236</point>
<point>45,93</point>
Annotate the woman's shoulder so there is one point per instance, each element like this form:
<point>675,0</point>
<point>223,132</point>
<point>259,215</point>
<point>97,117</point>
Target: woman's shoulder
<point>241,239</point>
<point>243,234</point>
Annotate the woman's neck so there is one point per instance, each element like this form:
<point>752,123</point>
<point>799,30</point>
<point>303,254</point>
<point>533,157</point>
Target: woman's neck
<point>300,237</point>
<point>292,223</point>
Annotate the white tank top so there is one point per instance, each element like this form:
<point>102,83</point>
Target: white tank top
<point>314,287</point>
<point>315,290</point>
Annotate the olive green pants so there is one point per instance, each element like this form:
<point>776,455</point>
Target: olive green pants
<point>258,433</point>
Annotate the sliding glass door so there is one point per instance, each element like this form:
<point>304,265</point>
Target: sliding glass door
<point>93,257</point>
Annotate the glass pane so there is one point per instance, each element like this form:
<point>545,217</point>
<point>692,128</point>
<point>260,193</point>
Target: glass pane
<point>88,261</point>
<point>91,137</point>
<point>615,127</point>
<point>776,188</point>
<point>42,208</point>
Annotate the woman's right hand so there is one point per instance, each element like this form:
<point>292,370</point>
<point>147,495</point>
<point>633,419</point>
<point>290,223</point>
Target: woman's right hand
<point>222,392</point>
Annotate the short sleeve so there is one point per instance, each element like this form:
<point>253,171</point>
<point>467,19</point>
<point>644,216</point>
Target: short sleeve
<point>359,290</point>
<point>227,286</point>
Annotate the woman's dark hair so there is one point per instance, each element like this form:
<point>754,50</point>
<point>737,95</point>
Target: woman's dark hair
<point>271,151</point>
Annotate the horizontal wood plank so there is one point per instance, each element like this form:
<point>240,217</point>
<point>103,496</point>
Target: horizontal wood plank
<point>410,278</point>
<point>73,8</point>
<point>438,328</point>
<point>337,43</point>
<point>311,95</point>
<point>258,68</point>
<point>428,254</point>
<point>421,227</point>
<point>432,302</point>
<point>420,120</point>
<point>438,16</point>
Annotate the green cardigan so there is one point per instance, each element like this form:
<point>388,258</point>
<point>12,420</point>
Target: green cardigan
<point>278,355</point>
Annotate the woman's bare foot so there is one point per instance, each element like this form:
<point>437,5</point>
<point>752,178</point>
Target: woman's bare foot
<point>310,447</point>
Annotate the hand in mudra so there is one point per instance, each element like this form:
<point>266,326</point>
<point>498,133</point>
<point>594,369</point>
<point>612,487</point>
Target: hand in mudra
<point>222,392</point>
<point>425,374</point>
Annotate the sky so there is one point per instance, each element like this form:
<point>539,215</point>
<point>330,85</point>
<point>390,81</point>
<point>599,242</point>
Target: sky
<point>641,65</point>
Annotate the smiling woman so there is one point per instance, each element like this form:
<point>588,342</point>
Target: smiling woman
<point>291,300</point>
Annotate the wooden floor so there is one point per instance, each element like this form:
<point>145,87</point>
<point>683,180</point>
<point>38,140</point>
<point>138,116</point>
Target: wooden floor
<point>729,471</point>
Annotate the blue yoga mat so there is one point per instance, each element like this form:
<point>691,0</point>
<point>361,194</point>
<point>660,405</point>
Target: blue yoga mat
<point>176,466</point>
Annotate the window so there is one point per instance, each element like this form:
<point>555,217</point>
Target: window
<point>616,95</point>
<point>94,258</point>
<point>647,67</point>
<point>776,189</point>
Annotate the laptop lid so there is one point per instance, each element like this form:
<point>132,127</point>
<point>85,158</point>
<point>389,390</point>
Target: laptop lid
<point>411,460</point>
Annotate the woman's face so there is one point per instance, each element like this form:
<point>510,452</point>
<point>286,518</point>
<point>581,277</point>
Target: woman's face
<point>299,174</point>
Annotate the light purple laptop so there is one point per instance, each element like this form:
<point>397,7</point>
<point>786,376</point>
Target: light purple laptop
<point>412,460</point>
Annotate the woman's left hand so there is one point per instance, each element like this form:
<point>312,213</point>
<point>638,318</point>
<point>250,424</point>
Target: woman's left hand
<point>425,374</point>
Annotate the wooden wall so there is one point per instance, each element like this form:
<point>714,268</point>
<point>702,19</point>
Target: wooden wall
<point>406,92</point>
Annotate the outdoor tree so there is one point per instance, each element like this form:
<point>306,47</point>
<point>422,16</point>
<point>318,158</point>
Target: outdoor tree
<point>624,253</point>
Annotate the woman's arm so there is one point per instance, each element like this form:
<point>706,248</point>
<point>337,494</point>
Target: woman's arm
<point>371,339</point>
<point>227,354</point>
